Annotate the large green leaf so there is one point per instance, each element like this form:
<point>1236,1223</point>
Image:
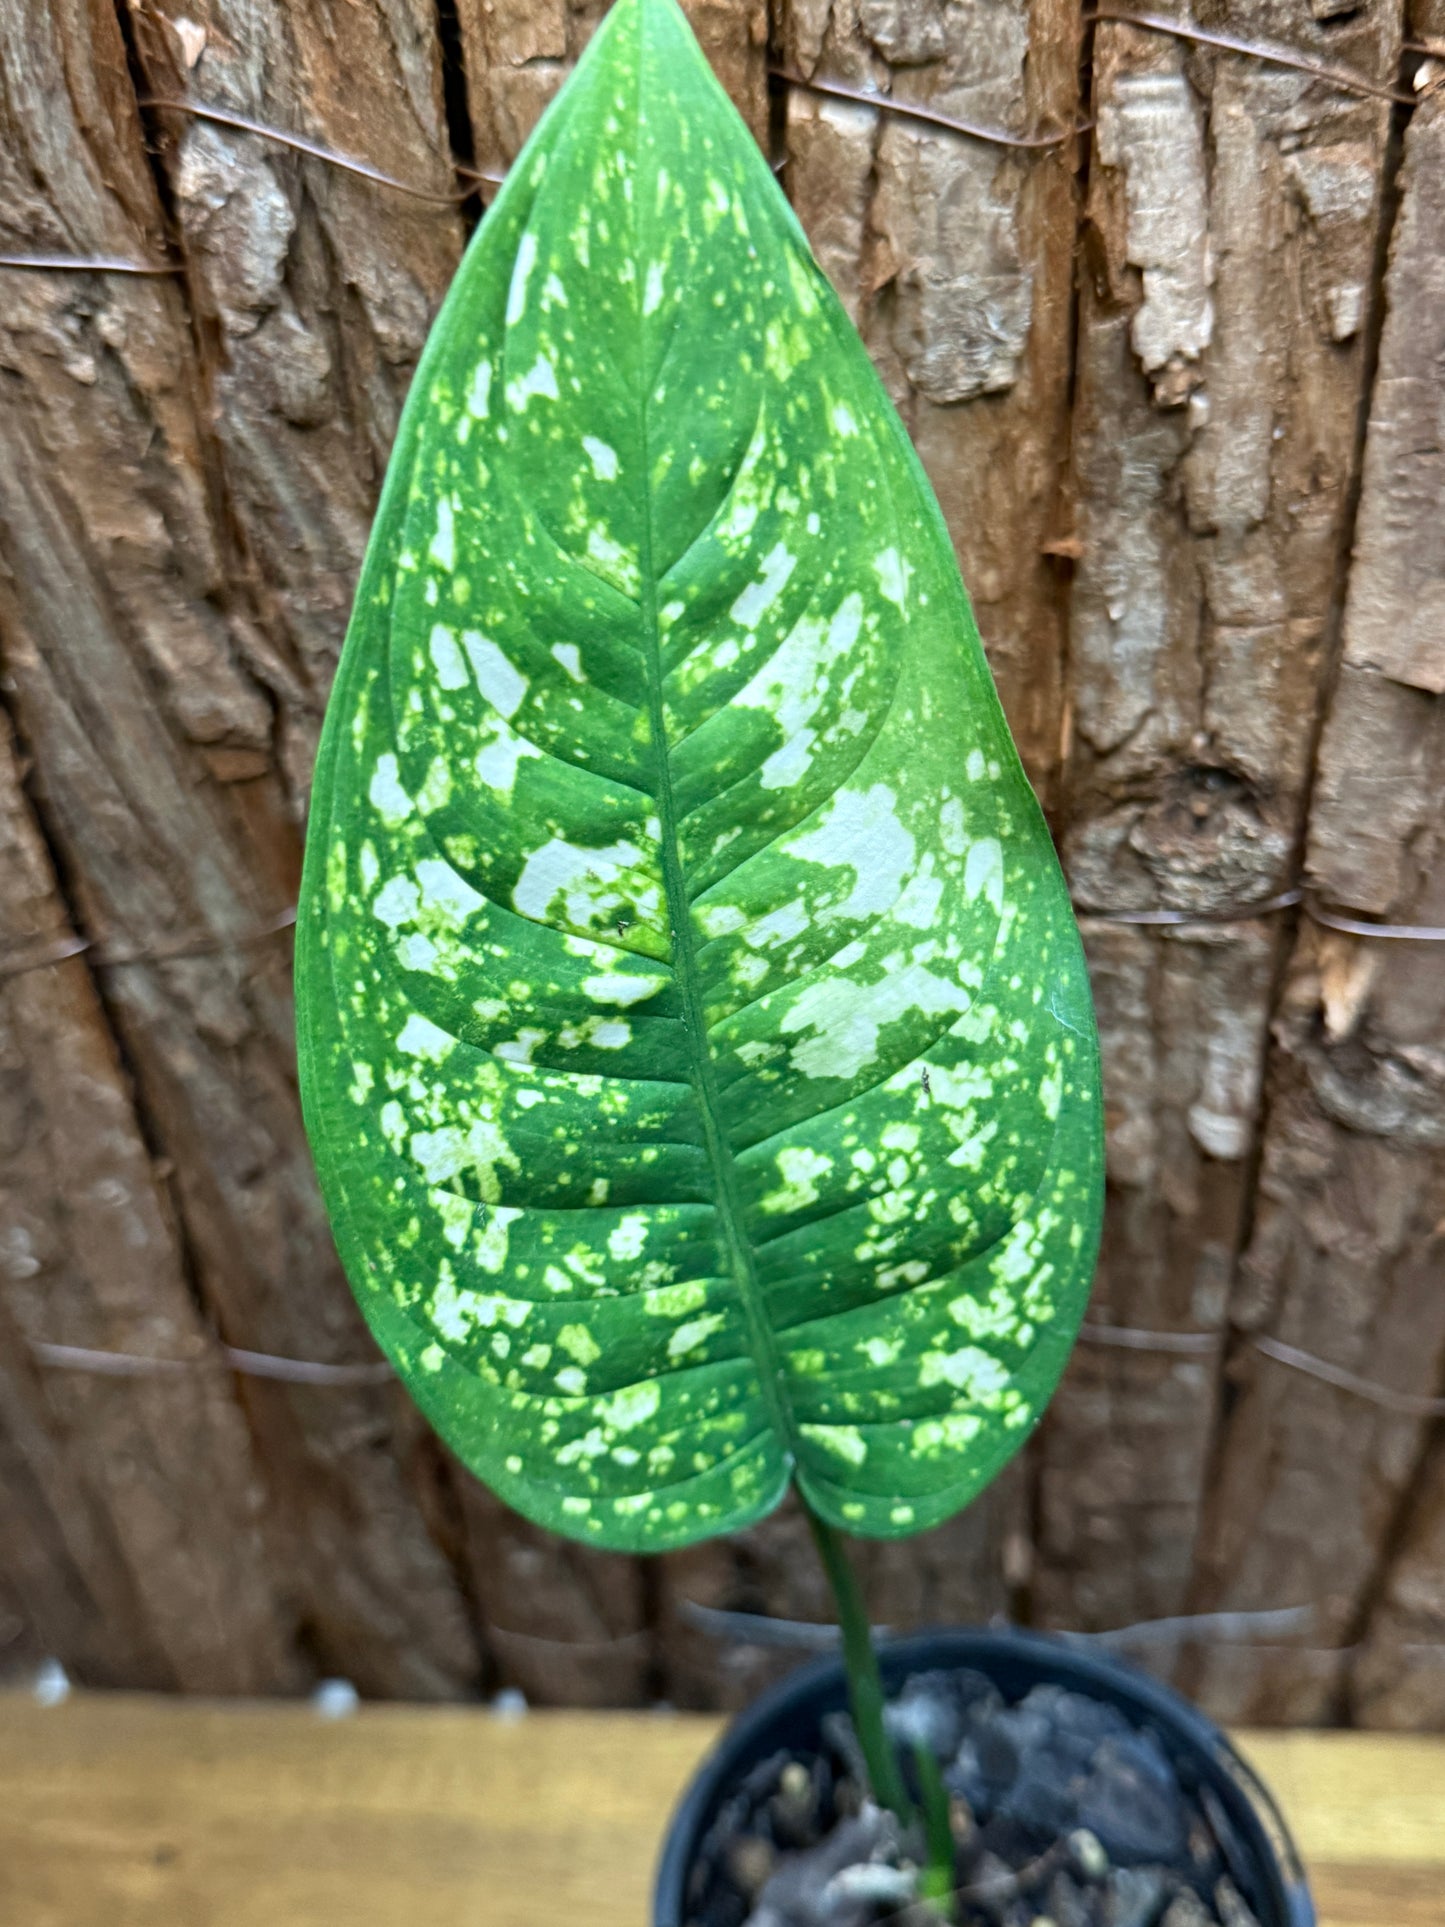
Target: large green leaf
<point>695,1042</point>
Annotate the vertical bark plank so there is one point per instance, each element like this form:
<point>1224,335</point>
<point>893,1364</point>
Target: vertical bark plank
<point>65,1592</point>
<point>128,667</point>
<point>1392,631</point>
<point>955,258</point>
<point>139,1549</point>
<point>1229,248</point>
<point>1398,1679</point>
<point>313,289</point>
<point>1348,1250</point>
<point>1123,1459</point>
<point>771,1570</point>
<point>963,1573</point>
<point>517,53</point>
<point>567,1625</point>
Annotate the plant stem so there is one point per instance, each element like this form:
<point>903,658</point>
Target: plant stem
<point>860,1662</point>
<point>937,1883</point>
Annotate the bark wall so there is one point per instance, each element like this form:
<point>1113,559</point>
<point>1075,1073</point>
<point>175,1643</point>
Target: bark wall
<point>147,691</point>
<point>955,258</point>
<point>1139,362</point>
<point>1348,1247</point>
<point>1226,268</point>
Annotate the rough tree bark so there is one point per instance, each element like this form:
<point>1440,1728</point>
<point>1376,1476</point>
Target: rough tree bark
<point>955,258</point>
<point>1348,1249</point>
<point>153,1494</point>
<point>65,1592</point>
<point>190,467</point>
<point>1227,262</point>
<point>132,674</point>
<point>1398,1680</point>
<point>567,1625</point>
<point>517,53</point>
<point>312,289</point>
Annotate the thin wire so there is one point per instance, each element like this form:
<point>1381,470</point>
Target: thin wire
<point>292,1371</point>
<point>81,264</point>
<point>640,1641</point>
<point>314,149</point>
<point>1273,56</point>
<point>811,1635</point>
<point>906,110</point>
<point>106,959</point>
<point>762,1629</point>
<point>198,946</point>
<point>1234,913</point>
<point>301,1371</point>
<point>1394,932</point>
<point>1410,1404</point>
<point>82,1358</point>
<point>1224,1626</point>
<point>1246,912</point>
<point>304,1371</point>
<point>54,953</point>
<point>1128,1338</point>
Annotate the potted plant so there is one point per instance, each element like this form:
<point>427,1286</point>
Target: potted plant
<point>695,1040</point>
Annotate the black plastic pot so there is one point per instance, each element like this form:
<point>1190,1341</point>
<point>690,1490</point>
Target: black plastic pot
<point>1265,1868</point>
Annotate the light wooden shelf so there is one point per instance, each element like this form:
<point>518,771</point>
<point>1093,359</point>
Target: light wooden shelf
<point>120,1810</point>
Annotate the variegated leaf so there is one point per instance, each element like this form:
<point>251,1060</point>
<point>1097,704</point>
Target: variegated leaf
<point>695,1041</point>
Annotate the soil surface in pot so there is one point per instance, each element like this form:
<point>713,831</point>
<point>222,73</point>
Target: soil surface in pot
<point>1063,1814</point>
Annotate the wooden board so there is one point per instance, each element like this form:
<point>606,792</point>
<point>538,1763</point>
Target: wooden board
<point>121,1810</point>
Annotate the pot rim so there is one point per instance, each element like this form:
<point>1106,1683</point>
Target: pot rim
<point>803,1695</point>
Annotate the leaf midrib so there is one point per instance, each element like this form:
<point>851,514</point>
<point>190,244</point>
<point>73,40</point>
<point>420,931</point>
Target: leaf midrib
<point>704,1081</point>
<point>728,1201</point>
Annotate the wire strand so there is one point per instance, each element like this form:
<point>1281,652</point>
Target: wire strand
<point>930,116</point>
<point>293,1371</point>
<point>114,1364</point>
<point>1127,1338</point>
<point>85,264</point>
<point>104,958</point>
<point>1272,56</point>
<point>812,1635</point>
<point>314,150</point>
<point>1409,1404</point>
<point>640,1641</point>
<point>1133,1339</point>
<point>1161,919</point>
<point>1390,932</point>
